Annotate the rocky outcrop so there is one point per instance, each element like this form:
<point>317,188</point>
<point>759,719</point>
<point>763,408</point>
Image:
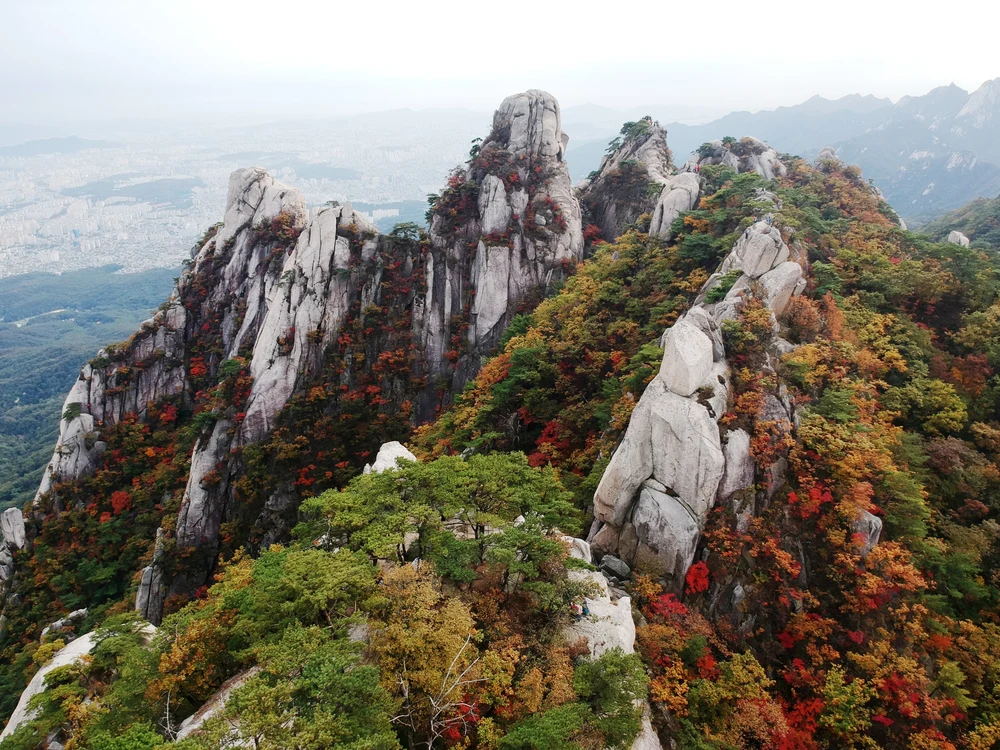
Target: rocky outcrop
<point>606,621</point>
<point>630,178</point>
<point>388,456</point>
<point>674,463</point>
<point>70,654</point>
<point>73,652</point>
<point>499,235</point>
<point>679,194</point>
<point>12,529</point>
<point>193,724</point>
<point>297,310</point>
<point>267,294</point>
<point>957,238</point>
<point>71,620</point>
<point>758,250</point>
<point>12,538</point>
<point>150,594</point>
<point>748,154</point>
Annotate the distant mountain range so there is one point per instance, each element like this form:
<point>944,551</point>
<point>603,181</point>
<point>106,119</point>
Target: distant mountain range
<point>929,154</point>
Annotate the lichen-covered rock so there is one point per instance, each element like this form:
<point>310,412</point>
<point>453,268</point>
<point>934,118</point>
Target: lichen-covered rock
<point>679,194</point>
<point>687,358</point>
<point>388,456</point>
<point>957,238</point>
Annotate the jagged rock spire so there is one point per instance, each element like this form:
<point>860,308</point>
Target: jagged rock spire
<point>630,178</point>
<point>499,233</point>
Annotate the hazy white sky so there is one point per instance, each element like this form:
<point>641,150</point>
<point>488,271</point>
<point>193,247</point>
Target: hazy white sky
<point>98,59</point>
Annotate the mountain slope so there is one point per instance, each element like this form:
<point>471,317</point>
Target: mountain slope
<point>774,414</point>
<point>928,154</point>
<point>979,221</point>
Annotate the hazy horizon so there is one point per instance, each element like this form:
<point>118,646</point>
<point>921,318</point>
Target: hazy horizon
<point>64,62</point>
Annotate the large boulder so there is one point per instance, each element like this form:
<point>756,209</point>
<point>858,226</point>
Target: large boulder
<point>679,194</point>
<point>957,238</point>
<point>687,358</point>
<point>868,528</point>
<point>388,456</point>
<point>705,323</point>
<point>759,249</point>
<point>672,439</point>
<point>666,534</point>
<point>609,623</point>
<point>781,282</point>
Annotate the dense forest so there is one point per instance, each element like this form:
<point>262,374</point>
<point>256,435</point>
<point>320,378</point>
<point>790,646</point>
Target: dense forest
<point>978,220</point>
<point>433,605</point>
<point>49,324</point>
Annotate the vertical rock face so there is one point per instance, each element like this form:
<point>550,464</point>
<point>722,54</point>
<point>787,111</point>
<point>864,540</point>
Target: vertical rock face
<point>269,292</point>
<point>12,538</point>
<point>499,233</point>
<point>301,308</point>
<point>12,529</point>
<point>674,463</point>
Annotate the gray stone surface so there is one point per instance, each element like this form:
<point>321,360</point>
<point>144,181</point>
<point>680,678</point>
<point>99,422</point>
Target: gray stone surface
<point>957,238</point>
<point>869,527</point>
<point>679,194</point>
<point>388,456</point>
<point>687,358</point>
<point>12,528</point>
<point>615,567</point>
